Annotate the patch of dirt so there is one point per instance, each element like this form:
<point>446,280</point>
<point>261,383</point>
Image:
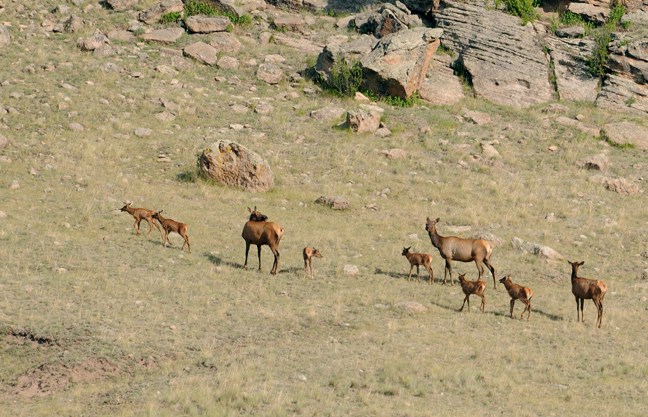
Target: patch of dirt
<point>49,378</point>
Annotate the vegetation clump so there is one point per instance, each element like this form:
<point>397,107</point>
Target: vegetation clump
<point>344,78</point>
<point>200,7</point>
<point>525,9</point>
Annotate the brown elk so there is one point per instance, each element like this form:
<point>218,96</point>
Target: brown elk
<point>454,248</point>
<point>584,288</point>
<point>518,292</point>
<point>141,214</point>
<point>472,287</point>
<point>257,231</point>
<point>309,254</point>
<point>417,259</point>
<point>173,226</point>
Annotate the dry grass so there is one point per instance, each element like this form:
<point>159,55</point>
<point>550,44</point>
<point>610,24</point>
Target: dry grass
<point>172,333</point>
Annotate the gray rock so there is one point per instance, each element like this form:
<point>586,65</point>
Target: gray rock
<point>349,52</point>
<point>489,151</point>
<point>121,5</point>
<point>590,12</point>
<point>477,117</point>
<point>205,24</point>
<point>225,42</point>
<point>154,13</point>
<point>621,186</point>
<point>301,44</point>
<point>5,36</point>
<point>201,52</point>
<point>598,162</point>
<point>228,63</point>
<point>621,93</point>
<point>121,36</point>
<point>394,153</point>
<point>626,133</point>
<point>351,270</point>
<point>571,32</point>
<point>361,121</point>
<point>270,73</point>
<point>73,24</point>
<point>4,142</point>
<point>94,42</point>
<point>336,202</point>
<point>235,165</point>
<point>169,35</point>
<point>397,65</point>
<point>290,23</point>
<point>240,7</point>
<point>327,113</point>
<point>504,59</point>
<point>386,19</point>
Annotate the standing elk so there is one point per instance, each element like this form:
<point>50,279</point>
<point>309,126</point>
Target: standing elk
<point>258,231</point>
<point>518,292</point>
<point>472,287</point>
<point>454,248</point>
<point>172,226</point>
<point>416,259</point>
<point>141,214</point>
<point>584,288</point>
<point>309,254</point>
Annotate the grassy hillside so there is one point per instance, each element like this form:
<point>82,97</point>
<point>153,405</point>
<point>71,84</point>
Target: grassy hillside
<point>97,321</point>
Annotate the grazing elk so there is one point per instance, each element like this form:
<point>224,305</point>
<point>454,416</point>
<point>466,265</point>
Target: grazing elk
<point>141,214</point>
<point>172,226</point>
<point>258,231</point>
<point>416,259</point>
<point>454,248</point>
<point>518,292</point>
<point>309,254</point>
<point>472,287</point>
<point>584,288</point>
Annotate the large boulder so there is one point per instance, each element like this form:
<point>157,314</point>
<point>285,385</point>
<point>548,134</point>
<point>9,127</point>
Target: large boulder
<point>626,133</point>
<point>399,62</point>
<point>233,164</point>
<point>5,37</point>
<point>238,8</point>
<point>504,59</point>
<point>206,24</point>
<point>388,18</point>
<point>349,52</point>
<point>441,86</point>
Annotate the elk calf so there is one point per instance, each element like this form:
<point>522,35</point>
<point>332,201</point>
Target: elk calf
<point>141,214</point>
<point>584,288</point>
<point>417,259</point>
<point>518,292</point>
<point>257,231</point>
<point>309,254</point>
<point>173,226</point>
<point>472,287</point>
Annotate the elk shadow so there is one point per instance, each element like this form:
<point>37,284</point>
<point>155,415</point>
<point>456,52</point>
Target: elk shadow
<point>219,261</point>
<point>398,275</point>
<point>550,316</point>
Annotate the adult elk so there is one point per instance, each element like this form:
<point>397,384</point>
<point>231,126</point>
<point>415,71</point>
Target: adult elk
<point>518,292</point>
<point>454,248</point>
<point>258,231</point>
<point>584,288</point>
<point>172,226</point>
<point>141,214</point>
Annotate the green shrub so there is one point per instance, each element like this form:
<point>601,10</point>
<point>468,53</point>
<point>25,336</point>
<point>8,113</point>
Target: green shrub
<point>597,61</point>
<point>173,17</point>
<point>196,7</point>
<point>521,8</point>
<point>344,78</point>
<point>616,13</point>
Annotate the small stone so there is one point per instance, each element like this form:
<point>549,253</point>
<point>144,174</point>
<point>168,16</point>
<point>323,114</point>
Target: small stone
<point>142,132</point>
<point>14,185</point>
<point>351,270</point>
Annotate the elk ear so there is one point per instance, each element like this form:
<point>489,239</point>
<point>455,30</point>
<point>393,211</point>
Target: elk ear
<point>254,208</point>
<point>581,263</point>
<point>438,219</point>
<point>249,210</point>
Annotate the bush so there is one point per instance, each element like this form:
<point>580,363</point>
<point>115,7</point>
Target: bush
<point>173,17</point>
<point>521,8</point>
<point>344,78</point>
<point>598,60</point>
<point>196,7</point>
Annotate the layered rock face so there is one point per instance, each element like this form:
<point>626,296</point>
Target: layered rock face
<point>504,59</point>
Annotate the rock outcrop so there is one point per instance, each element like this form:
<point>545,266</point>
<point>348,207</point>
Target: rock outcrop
<point>504,59</point>
<point>235,165</point>
<point>573,79</point>
<point>388,18</point>
<point>155,12</point>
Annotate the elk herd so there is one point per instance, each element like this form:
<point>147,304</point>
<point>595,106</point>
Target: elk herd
<point>259,231</point>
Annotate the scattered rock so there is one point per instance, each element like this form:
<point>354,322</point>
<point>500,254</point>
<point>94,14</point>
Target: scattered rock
<point>386,19</point>
<point>301,44</point>
<point>489,151</point>
<point>621,186</point>
<point>290,23</point>
<point>336,202</point>
<point>350,52</point>
<point>361,97</point>
<point>121,36</point>
<point>142,132</point>
<point>228,63</point>
<point>270,73</point>
<point>351,270</point>
<point>411,307</point>
<point>5,36</point>
<point>225,42</point>
<point>202,52</point>
<point>235,165</point>
<point>76,127</point>
<point>361,121</point>
<point>477,117</point>
<point>94,42</point>
<point>536,249</point>
<point>382,132</point>
<point>626,133</point>
<point>14,185</point>
<point>590,12</point>
<point>394,153</point>
<point>263,108</point>
<point>73,24</point>
<point>121,5</point>
<point>4,142</point>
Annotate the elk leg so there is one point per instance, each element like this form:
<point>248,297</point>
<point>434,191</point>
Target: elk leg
<point>577,310</point>
<point>418,278</point>
<point>448,268</point>
<point>259,251</point>
<point>136,226</point>
<point>582,311</point>
<point>186,239</point>
<point>492,269</point>
<point>464,303</point>
<point>483,303</point>
<point>409,277</point>
<point>247,249</point>
<point>512,305</point>
<point>275,264</point>
<point>431,272</point>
